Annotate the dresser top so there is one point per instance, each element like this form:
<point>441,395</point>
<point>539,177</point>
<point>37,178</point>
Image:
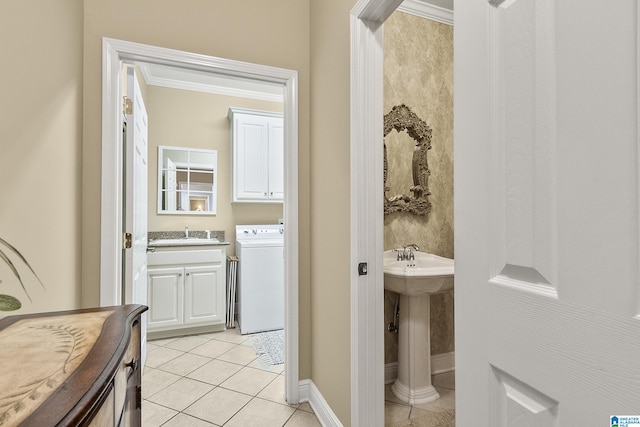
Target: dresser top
<point>53,362</point>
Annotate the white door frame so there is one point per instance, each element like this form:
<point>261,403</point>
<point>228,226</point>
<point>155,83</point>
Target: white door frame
<point>367,222</point>
<point>114,53</point>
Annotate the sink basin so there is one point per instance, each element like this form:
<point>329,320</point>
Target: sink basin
<point>416,281</point>
<point>427,274</point>
<point>183,241</point>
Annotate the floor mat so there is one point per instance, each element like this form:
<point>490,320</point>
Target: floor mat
<point>269,347</point>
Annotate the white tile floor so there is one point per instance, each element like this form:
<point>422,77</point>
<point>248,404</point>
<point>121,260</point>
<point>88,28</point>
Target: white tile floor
<point>215,380</point>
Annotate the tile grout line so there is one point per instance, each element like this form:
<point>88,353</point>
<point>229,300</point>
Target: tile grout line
<point>235,345</point>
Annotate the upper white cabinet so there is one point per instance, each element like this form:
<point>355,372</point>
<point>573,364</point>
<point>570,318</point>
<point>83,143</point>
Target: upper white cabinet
<point>257,139</point>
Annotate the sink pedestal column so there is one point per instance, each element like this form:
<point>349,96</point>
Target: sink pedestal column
<point>413,385</point>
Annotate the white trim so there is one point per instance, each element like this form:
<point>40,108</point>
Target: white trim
<point>367,222</point>
<point>114,53</point>
<point>320,407</point>
<point>390,372</point>
<point>209,88</point>
<point>440,363</point>
<point>444,362</point>
<point>303,390</point>
<point>637,316</point>
<point>110,196</point>
<point>425,10</point>
<point>218,90</point>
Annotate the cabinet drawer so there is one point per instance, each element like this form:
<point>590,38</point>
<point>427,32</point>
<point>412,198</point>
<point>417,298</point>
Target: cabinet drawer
<point>186,256</point>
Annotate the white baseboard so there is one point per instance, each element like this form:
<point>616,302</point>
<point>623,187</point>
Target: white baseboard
<point>440,363</point>
<point>444,362</point>
<point>390,372</point>
<point>303,390</point>
<point>308,392</point>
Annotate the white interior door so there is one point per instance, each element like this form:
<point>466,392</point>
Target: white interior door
<point>135,271</point>
<point>546,208</point>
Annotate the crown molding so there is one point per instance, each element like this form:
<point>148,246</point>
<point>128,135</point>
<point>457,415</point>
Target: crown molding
<point>227,89</point>
<point>428,11</point>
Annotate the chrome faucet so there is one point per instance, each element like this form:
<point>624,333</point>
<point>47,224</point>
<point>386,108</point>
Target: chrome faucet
<point>186,231</point>
<point>406,253</point>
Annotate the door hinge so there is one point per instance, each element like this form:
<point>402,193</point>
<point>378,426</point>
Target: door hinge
<point>127,105</point>
<point>127,238</point>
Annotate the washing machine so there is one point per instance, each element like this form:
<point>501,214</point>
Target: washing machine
<point>260,285</point>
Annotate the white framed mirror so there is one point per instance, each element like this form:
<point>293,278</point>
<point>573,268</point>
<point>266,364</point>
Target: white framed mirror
<point>187,181</point>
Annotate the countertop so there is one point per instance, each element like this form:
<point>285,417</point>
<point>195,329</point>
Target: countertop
<point>167,239</point>
<point>163,243</point>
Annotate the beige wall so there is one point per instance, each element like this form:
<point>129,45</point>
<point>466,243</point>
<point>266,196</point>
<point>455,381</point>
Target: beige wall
<point>183,118</point>
<point>330,213</point>
<point>418,72</point>
<point>41,149</point>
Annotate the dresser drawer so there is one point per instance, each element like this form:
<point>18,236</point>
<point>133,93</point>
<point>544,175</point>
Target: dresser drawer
<point>128,372</point>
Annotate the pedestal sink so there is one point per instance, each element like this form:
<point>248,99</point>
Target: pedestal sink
<point>416,280</point>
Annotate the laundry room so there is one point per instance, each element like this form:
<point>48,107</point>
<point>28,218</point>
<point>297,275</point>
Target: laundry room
<point>215,186</point>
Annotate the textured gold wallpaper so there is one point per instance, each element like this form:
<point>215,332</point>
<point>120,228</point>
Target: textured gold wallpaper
<point>418,72</point>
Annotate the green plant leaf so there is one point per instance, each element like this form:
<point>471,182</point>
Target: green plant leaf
<point>17,252</point>
<point>13,268</point>
<point>9,303</point>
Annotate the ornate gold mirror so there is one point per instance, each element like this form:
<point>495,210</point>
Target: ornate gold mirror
<point>397,181</point>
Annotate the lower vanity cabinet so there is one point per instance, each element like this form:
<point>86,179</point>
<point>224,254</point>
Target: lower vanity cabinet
<point>72,368</point>
<point>186,289</point>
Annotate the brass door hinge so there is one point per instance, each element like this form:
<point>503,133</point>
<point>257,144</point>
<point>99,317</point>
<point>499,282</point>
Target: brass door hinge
<point>127,106</point>
<point>127,240</point>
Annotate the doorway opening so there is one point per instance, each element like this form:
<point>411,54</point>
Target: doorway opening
<point>115,54</point>
<point>367,221</point>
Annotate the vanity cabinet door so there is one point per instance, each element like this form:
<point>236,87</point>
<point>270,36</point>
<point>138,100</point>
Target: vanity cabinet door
<point>165,297</point>
<point>204,294</point>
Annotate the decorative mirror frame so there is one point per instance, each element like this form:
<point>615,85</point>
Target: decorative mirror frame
<point>402,118</point>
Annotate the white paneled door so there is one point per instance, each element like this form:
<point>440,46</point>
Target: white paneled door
<point>547,216</point>
<point>135,191</point>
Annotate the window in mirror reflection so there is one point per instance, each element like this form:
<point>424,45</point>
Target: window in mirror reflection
<point>187,180</point>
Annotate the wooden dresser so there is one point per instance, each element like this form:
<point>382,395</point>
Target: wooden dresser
<point>71,368</point>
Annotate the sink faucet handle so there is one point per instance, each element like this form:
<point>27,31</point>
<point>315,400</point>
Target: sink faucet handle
<point>412,246</point>
<point>186,231</point>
